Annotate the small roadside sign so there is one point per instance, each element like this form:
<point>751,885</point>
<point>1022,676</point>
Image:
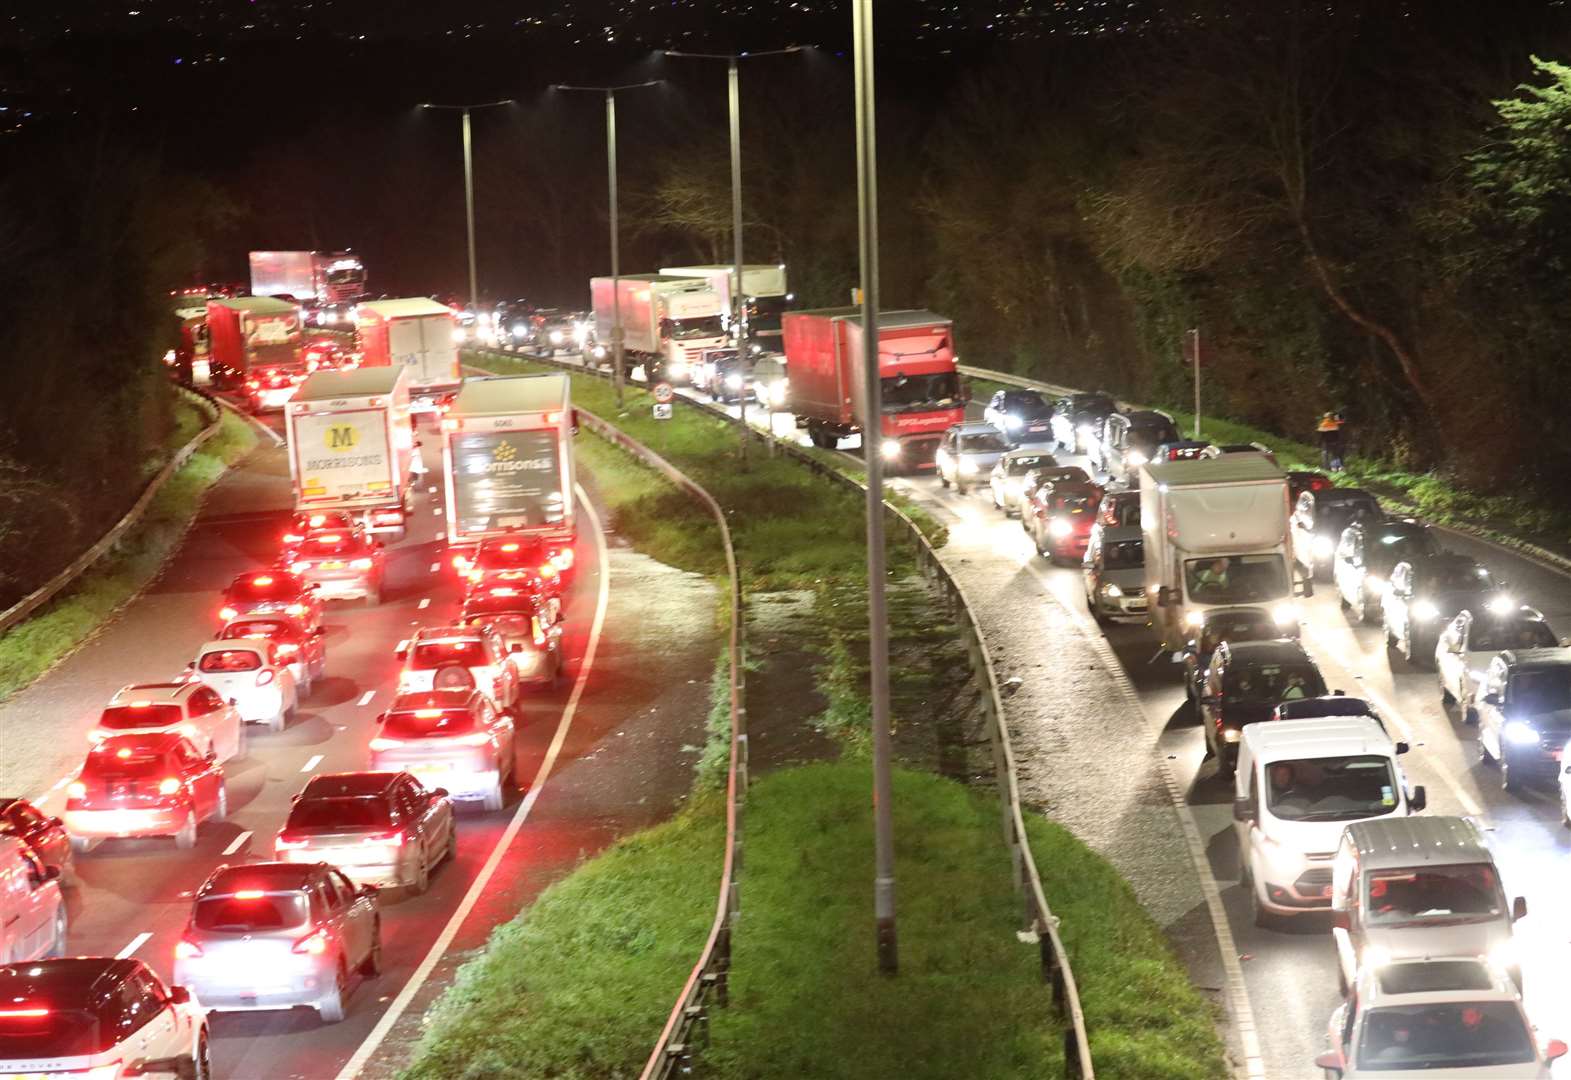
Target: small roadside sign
<point>662,411</point>
<point>664,393</point>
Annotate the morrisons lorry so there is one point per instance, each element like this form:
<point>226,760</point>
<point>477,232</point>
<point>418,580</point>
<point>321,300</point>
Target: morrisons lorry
<point>417,334</point>
<point>350,444</point>
<point>667,322</point>
<point>507,457</point>
<point>921,391</point>
<point>250,332</point>
<point>763,290</point>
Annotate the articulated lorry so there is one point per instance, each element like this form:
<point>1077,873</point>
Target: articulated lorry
<point>1216,536</point>
<point>667,322</point>
<point>763,289</point>
<point>323,277</point>
<point>350,445</point>
<point>921,391</point>
<point>417,334</point>
<point>507,456</point>
<point>250,332</point>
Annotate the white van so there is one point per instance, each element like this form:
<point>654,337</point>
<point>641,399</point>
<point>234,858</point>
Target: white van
<point>32,911</point>
<point>1299,783</point>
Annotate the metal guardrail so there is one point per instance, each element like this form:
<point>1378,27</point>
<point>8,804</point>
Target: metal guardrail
<point>51,588</point>
<point>1038,917</point>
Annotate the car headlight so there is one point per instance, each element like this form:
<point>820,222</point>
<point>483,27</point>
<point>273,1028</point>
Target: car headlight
<point>1011,423</point>
<point>1134,459</point>
<point>1285,614</point>
<point>1502,605</point>
<point>1519,733</point>
<point>1196,619</point>
<point>1058,528</point>
<point>678,369</point>
<point>1504,955</point>
<point>733,381</point>
<point>777,392</point>
<point>520,330</point>
<point>1231,734</point>
<point>1374,586</point>
<point>967,467</point>
<point>1322,547</point>
<point>889,449</point>
<point>1425,610</point>
<point>1111,591</point>
<point>556,337</point>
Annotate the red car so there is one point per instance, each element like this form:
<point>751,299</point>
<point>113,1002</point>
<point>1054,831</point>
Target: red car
<point>341,565</point>
<point>144,785</point>
<point>305,523</point>
<point>1299,482</point>
<point>266,592</point>
<point>271,388</point>
<point>1061,518</point>
<point>527,563</point>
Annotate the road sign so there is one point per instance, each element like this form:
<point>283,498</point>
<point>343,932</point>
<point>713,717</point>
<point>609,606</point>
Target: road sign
<point>664,394</point>
<point>663,410</point>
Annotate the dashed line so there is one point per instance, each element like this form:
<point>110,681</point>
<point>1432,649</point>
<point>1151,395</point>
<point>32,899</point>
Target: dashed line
<point>136,943</point>
<point>365,698</point>
<point>238,843</point>
<point>425,602</point>
<point>436,511</point>
<point>60,783</point>
<point>316,759</point>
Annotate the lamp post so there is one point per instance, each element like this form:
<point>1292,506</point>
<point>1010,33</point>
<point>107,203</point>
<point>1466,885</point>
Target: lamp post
<point>738,294</point>
<point>469,189</point>
<point>616,252</point>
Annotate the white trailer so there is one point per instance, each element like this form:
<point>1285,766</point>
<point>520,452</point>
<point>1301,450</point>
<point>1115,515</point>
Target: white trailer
<point>416,334</point>
<point>350,445</point>
<point>763,287</point>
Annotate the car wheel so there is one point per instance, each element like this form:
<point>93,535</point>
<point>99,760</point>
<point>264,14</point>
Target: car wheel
<point>372,964</point>
<point>57,941</point>
<point>422,879</point>
<point>278,721</point>
<point>1509,778</point>
<point>200,1067</point>
<point>221,811</point>
<point>1264,919</point>
<point>185,839</point>
<point>496,798</point>
<point>331,1007</point>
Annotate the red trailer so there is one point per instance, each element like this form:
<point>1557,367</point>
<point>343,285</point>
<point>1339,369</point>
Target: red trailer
<point>921,394</point>
<point>251,332</point>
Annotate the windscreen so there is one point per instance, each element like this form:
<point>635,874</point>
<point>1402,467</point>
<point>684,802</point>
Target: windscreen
<point>109,762</point>
<point>506,479</point>
<point>1538,692</point>
<point>430,655</point>
<point>357,812</point>
<point>259,628</point>
<point>1458,578</point>
<point>913,393</point>
<point>1150,435</point>
<point>1123,555</point>
<point>1490,636</point>
<point>278,586</point>
<point>1017,466</point>
<point>687,329</point>
<point>244,914</point>
<point>139,716</point>
<point>1444,1035</point>
<point>984,443</point>
<point>1238,579</point>
<point>1270,683</point>
<point>229,660</point>
<point>1467,892</point>
<point>428,723</point>
<point>1331,789</point>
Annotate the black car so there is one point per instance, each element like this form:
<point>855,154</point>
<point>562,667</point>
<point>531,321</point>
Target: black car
<point>1524,719</point>
<point>1226,624</point>
<point>1021,415</point>
<point>1317,523</point>
<point>1366,554</point>
<point>1077,419</point>
<point>511,319</point>
<point>553,331</point>
<point>1425,594</point>
<point>1245,682</point>
<point>1335,704</point>
<point>728,373</point>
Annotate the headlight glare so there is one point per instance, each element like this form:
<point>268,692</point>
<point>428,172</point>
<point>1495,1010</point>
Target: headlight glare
<point>1058,528</point>
<point>1322,547</point>
<point>1519,733</point>
<point>1425,610</point>
<point>889,449</point>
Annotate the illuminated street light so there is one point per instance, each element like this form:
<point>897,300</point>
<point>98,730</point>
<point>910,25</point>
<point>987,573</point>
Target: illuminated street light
<point>469,188</point>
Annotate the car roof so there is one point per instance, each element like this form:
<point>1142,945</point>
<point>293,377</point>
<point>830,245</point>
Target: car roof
<point>976,427</point>
<point>1120,534</point>
<point>1422,838</point>
<point>240,644</point>
<point>76,982</point>
<point>1275,651</point>
<point>1028,451</point>
<point>1434,979</point>
<point>339,785</point>
<point>1147,416</point>
<point>447,633</point>
<point>157,693</point>
<point>1239,611</point>
<point>1340,494</point>
<point>456,698</point>
<point>268,876</point>
<point>1520,613</point>
<point>1325,705</point>
<point>1545,657</point>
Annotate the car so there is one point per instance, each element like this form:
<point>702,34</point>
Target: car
<point>305,523</point>
<point>33,920</point>
<point>1129,439</point>
<point>44,834</point>
<point>1318,520</point>
<point>1077,420</point>
<point>261,592</point>
<point>1245,681</point>
<point>520,561</point>
<point>1120,509</point>
<point>381,828</point>
<point>772,382</point>
<point>328,355</point>
<point>304,651</point>
<point>1216,450</point>
<point>1334,704</point>
<point>88,1017</point>
<point>1039,477</point>
<point>455,738</point>
<point>724,373</point>
<point>1022,415</point>
<point>1114,572</point>
<point>277,935</point>
<point>144,785</point>
<point>530,625</point>
<point>1182,450</point>
<point>1565,785</point>
<point>553,331</point>
<point>459,658</point>
<point>511,318</point>
<point>1470,643</point>
<point>967,453</point>
<point>1008,474</point>
<point>1524,715</point>
<point>253,675</point>
<point>1426,593</point>
<point>1302,480</point>
<point>341,566</point>
<point>1061,518</point>
<point>1227,624</point>
<point>269,389</point>
<point>1366,553</point>
<point>1436,1017</point>
<point>200,713</point>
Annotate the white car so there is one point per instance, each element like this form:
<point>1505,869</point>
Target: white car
<point>1471,641</point>
<point>459,658</point>
<point>32,911</point>
<point>199,712</point>
<point>1008,476</point>
<point>252,674</point>
<point>1455,1018</point>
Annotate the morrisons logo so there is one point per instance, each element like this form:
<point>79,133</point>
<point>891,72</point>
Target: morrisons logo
<point>504,459</point>
<point>342,437</point>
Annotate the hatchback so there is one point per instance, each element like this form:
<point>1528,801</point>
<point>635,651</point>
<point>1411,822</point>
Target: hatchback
<point>459,658</point>
<point>271,591</point>
<point>967,453</point>
<point>383,828</point>
<point>523,562</point>
<point>530,626</point>
<point>45,835</point>
<point>304,651</point>
<point>253,675</point>
<point>340,565</point>
<point>198,712</point>
<point>144,785</point>
<point>305,523</point>
<point>1061,518</point>
<point>454,738</point>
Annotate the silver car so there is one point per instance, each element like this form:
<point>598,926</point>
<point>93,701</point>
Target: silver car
<point>967,454</point>
<point>1114,571</point>
<point>385,828</point>
<point>279,935</point>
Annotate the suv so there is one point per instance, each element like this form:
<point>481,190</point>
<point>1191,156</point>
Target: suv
<point>190,708</point>
<point>384,828</point>
<point>1317,523</point>
<point>1524,717</point>
<point>1129,440</point>
<point>1245,682</point>
<point>1365,555</point>
<point>1021,415</point>
<point>1426,593</point>
<point>144,785</point>
<point>459,658</point>
<point>1470,644</point>
<point>454,737</point>
<point>1077,420</point>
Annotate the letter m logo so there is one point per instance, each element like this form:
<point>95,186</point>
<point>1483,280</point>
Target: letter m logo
<point>341,437</point>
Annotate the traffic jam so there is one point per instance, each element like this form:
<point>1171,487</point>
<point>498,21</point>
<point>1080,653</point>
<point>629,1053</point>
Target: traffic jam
<point>295,917</point>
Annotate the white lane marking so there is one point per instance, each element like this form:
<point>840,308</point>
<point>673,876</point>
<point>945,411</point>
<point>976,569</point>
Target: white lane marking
<point>365,698</point>
<point>435,567</point>
<point>316,759</point>
<point>60,783</point>
<point>425,602</point>
<point>439,947</point>
<point>431,490</point>
<point>436,511</point>
<point>237,843</point>
<point>136,943</point>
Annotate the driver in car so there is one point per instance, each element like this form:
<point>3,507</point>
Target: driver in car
<point>1213,578</point>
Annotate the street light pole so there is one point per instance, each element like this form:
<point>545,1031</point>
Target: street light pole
<point>1194,358</point>
<point>469,188</point>
<point>872,430</point>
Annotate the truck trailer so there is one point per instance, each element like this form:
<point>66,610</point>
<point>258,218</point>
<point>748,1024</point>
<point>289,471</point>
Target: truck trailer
<point>249,332</point>
<point>1216,535</point>
<point>667,322</point>
<point>921,391</point>
<point>350,445</point>
<point>507,457</point>
<point>763,289</point>
<point>417,334</point>
<point>322,277</point>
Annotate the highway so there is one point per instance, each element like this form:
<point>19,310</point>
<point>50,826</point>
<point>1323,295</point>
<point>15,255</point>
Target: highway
<point>609,752</point>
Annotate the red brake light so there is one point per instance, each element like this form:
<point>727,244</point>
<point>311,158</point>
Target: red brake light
<point>361,564</point>
<point>264,677</point>
<point>295,609</point>
<point>509,547</point>
<point>314,943</point>
<point>263,580</point>
<point>329,538</point>
<point>292,538</point>
<point>31,1013</point>
<point>227,613</point>
<point>186,949</point>
<point>249,894</point>
<point>170,785</point>
<point>76,790</point>
<point>286,843</point>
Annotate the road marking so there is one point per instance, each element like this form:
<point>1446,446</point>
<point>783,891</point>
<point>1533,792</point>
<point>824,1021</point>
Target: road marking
<point>60,783</point>
<point>425,602</point>
<point>435,567</point>
<point>439,947</point>
<point>431,490</point>
<point>136,943</point>
<point>237,843</point>
<point>316,759</point>
<point>365,698</point>
<point>436,511</point>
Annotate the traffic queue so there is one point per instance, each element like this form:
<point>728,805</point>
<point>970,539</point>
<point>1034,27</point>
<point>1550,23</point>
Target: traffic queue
<point>299,928</point>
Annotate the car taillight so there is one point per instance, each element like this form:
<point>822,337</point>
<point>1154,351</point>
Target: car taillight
<point>26,1012</point>
<point>170,785</point>
<point>299,567</point>
<point>548,571</point>
<point>295,609</point>
<point>227,613</point>
<point>289,843</point>
<point>186,949</point>
<point>392,839</point>
<point>313,944</point>
<point>563,559</point>
<point>292,538</point>
<point>76,790</point>
<point>287,649</point>
<point>265,676</point>
<point>380,743</point>
<point>360,564</point>
<point>460,563</point>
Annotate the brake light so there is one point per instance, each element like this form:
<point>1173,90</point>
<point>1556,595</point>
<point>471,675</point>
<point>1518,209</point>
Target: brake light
<point>76,790</point>
<point>265,676</point>
<point>460,563</point>
<point>428,714</point>
<point>295,609</point>
<point>263,581</point>
<point>285,843</point>
<point>509,547</point>
<point>548,571</point>
<point>392,839</point>
<point>299,567</point>
<point>380,743</point>
<point>170,785</point>
<point>186,949</point>
<point>361,564</point>
<point>313,944</point>
<point>227,613</point>
<point>504,591</point>
<point>292,538</point>
<point>287,650</point>
<point>249,894</point>
<point>29,1013</point>
<point>329,538</point>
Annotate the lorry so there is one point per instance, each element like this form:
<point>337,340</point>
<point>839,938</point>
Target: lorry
<point>1216,536</point>
<point>191,346</point>
<point>418,334</point>
<point>922,395</point>
<point>351,444</point>
<point>246,333</point>
<point>667,322</point>
<point>507,458</point>
<point>763,289</point>
<point>328,283</point>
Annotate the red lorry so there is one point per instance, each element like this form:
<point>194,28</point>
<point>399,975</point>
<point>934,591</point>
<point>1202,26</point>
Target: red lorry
<point>922,395</point>
<point>248,333</point>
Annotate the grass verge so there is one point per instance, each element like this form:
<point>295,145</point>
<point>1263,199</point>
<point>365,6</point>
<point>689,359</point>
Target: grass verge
<point>32,647</point>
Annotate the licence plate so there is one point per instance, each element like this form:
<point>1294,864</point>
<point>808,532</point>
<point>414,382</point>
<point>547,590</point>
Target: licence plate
<point>1038,427</point>
<point>335,565</point>
<point>432,766</point>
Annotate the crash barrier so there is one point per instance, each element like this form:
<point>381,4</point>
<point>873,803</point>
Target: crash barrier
<point>1039,919</point>
<point>708,984</point>
<point>51,588</point>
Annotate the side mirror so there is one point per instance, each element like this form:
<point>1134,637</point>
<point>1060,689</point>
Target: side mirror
<point>1555,1050</point>
<point>1418,800</point>
<point>1402,747</point>
<point>179,995</point>
<point>371,891</point>
<point>402,652</point>
<point>381,718</point>
<point>211,756</point>
<point>1492,699</point>
<point>190,664</point>
<point>1244,809</point>
<point>319,632</point>
<point>1331,1062</point>
<point>1341,920</point>
<point>1519,908</point>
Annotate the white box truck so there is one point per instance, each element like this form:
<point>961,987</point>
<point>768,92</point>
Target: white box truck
<point>415,333</point>
<point>763,287</point>
<point>1215,536</point>
<point>667,322</point>
<point>350,445</point>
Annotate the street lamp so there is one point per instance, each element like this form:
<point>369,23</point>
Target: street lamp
<point>469,188</point>
<point>616,253</point>
<point>738,297</point>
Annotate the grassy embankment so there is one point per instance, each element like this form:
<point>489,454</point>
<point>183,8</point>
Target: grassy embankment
<point>65,622</point>
<point>579,984</point>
